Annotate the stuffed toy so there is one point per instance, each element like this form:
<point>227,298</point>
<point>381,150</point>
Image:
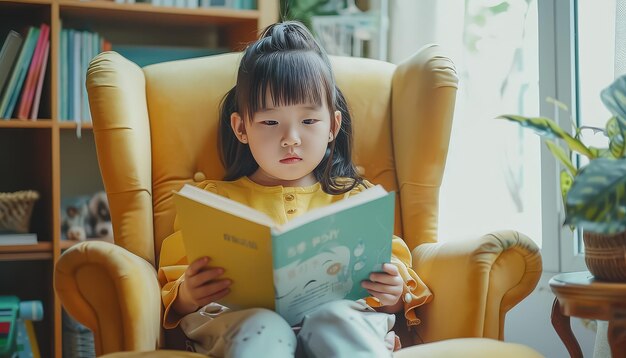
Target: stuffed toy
<point>100,217</point>
<point>74,224</point>
<point>87,217</point>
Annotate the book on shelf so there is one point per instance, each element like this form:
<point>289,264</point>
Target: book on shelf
<point>42,74</point>
<point>30,84</point>
<point>320,256</point>
<point>64,76</point>
<point>76,69</point>
<point>11,92</point>
<point>8,54</point>
<point>77,49</point>
<point>12,238</point>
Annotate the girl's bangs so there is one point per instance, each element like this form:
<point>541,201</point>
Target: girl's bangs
<point>292,78</point>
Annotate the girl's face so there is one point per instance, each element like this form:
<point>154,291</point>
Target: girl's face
<point>287,142</point>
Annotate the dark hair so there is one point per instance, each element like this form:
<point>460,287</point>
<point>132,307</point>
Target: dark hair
<point>287,61</point>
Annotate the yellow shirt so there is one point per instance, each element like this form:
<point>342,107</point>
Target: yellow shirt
<point>282,204</point>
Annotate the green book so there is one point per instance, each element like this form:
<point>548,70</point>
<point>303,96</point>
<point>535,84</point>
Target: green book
<point>318,257</point>
<point>12,91</point>
<point>8,55</point>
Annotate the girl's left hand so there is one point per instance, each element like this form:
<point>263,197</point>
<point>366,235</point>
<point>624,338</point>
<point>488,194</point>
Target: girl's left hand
<point>386,286</point>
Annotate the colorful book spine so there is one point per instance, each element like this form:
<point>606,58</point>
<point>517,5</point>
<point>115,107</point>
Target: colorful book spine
<point>42,75</point>
<point>8,55</point>
<point>9,97</point>
<point>75,99</point>
<point>28,92</point>
<point>77,49</point>
<point>63,70</point>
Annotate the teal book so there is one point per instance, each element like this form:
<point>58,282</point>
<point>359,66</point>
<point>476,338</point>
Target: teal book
<point>318,257</point>
<point>12,91</point>
<point>149,55</point>
<point>64,76</point>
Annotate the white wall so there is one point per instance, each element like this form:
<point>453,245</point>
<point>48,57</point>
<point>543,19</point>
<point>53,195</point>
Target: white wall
<point>412,25</point>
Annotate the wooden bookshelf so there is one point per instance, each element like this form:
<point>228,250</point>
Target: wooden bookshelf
<point>46,155</point>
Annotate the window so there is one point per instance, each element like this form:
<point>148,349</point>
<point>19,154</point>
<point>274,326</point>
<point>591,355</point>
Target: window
<point>582,32</point>
<point>511,56</point>
<point>492,178</point>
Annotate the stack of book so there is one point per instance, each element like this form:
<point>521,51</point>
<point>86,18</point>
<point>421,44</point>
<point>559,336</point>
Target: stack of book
<point>23,64</point>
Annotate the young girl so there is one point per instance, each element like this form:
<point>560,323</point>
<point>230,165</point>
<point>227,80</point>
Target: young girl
<point>285,141</point>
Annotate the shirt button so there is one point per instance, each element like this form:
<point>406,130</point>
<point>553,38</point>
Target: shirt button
<point>199,176</point>
<point>289,197</point>
<point>291,211</point>
<point>408,297</point>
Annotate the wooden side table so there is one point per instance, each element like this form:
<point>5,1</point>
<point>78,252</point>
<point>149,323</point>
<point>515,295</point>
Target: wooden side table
<point>579,295</point>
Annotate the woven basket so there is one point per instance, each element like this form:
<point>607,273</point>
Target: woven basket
<point>605,255</point>
<point>16,209</point>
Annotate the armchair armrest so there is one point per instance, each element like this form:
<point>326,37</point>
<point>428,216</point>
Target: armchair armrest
<point>113,292</point>
<point>475,283</point>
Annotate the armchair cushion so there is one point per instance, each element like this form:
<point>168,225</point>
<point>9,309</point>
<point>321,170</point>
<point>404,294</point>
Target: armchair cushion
<point>475,283</point>
<point>461,347</point>
<point>113,292</point>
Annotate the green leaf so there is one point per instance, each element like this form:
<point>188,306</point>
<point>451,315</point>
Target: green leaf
<point>616,138</point>
<point>601,152</point>
<point>561,156</point>
<point>614,98</point>
<point>557,103</point>
<point>566,184</point>
<point>548,129</point>
<point>597,199</point>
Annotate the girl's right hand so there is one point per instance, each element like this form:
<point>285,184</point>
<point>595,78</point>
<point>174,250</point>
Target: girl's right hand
<point>200,287</point>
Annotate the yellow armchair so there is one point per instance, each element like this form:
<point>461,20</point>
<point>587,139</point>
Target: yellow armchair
<point>156,128</point>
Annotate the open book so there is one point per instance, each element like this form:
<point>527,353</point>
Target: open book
<point>320,256</point>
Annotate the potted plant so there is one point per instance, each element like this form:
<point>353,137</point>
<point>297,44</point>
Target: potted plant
<point>594,196</point>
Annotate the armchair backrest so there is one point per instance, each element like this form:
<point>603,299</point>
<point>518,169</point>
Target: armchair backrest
<point>156,128</point>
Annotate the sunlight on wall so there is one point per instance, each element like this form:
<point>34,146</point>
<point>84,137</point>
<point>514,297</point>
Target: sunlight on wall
<point>492,178</point>
<point>596,35</point>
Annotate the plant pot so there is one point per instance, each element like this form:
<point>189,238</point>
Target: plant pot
<point>605,255</point>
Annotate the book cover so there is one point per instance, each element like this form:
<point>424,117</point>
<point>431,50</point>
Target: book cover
<point>14,86</point>
<point>30,84</point>
<point>42,75</point>
<point>315,258</point>
<point>8,55</point>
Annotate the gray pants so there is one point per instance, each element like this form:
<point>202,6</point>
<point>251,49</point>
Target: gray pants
<point>337,329</point>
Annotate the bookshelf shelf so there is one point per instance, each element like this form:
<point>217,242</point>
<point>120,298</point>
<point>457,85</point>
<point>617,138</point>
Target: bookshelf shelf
<point>48,156</point>
<point>16,123</point>
<point>39,251</point>
<point>73,125</point>
<point>105,10</point>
